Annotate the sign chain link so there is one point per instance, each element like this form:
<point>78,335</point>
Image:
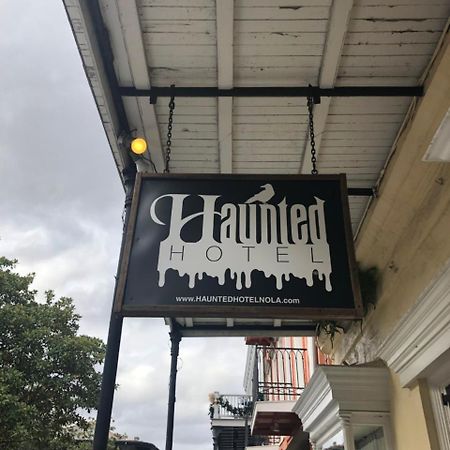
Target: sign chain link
<point>169,133</point>
<point>311,136</point>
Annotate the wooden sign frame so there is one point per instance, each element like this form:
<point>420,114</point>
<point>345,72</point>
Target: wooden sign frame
<point>146,308</point>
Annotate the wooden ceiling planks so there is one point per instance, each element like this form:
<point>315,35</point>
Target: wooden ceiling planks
<point>180,41</point>
<point>274,43</point>
<point>181,47</point>
<point>391,39</point>
<point>269,134</point>
<point>279,43</point>
<point>357,140</point>
<point>195,134</point>
<point>225,80</point>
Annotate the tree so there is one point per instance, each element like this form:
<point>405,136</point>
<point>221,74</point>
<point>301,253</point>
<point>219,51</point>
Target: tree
<point>48,372</point>
<point>84,437</point>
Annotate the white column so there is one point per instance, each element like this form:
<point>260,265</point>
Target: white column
<point>349,443</point>
<point>312,354</point>
<point>216,406</point>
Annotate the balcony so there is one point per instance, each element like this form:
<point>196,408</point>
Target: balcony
<point>279,372</point>
<point>275,377</point>
<point>230,417</point>
<point>277,381</point>
<point>226,407</point>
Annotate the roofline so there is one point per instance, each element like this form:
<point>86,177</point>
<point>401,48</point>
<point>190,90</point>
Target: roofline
<point>93,29</point>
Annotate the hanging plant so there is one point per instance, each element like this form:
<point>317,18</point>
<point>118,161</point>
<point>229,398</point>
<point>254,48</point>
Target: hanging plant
<point>329,329</point>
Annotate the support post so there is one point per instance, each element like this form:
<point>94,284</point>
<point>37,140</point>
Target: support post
<point>255,381</point>
<point>103,422</point>
<point>246,431</point>
<point>175,338</point>
<point>345,419</point>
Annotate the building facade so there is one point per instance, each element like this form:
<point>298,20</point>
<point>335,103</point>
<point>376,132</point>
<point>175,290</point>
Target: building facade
<point>387,387</point>
<point>406,235</point>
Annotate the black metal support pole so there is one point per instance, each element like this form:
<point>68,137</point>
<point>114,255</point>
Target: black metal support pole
<point>175,338</point>
<point>102,424</point>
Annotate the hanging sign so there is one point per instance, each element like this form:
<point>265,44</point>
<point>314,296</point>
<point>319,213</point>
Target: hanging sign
<point>239,246</point>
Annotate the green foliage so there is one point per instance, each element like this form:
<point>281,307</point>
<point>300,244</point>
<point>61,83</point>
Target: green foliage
<point>369,280</point>
<point>238,411</point>
<point>329,328</point>
<point>47,371</point>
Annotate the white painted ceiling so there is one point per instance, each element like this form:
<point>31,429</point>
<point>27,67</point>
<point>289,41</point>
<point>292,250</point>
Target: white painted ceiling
<point>226,43</point>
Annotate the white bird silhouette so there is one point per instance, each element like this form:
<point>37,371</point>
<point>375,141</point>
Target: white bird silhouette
<point>264,196</point>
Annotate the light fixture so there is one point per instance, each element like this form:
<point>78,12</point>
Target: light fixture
<point>138,146</point>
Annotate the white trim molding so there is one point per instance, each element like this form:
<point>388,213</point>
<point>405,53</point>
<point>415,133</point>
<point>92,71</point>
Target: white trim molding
<point>422,335</point>
<point>357,394</point>
<point>439,148</point>
<point>441,418</point>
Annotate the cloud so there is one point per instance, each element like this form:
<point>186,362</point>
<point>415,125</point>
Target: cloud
<point>60,207</point>
<point>205,365</point>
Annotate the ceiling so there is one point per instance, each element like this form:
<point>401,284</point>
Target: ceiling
<point>229,43</point>
<point>258,43</point>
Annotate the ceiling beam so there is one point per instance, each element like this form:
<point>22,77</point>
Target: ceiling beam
<point>274,91</point>
<point>224,21</point>
<point>141,114</point>
<point>337,29</point>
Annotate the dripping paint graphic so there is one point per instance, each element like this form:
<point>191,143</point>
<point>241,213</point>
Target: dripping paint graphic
<point>278,240</point>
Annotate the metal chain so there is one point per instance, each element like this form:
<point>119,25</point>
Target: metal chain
<point>169,133</point>
<point>311,136</point>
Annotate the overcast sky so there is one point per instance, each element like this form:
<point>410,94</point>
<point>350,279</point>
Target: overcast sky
<point>60,215</point>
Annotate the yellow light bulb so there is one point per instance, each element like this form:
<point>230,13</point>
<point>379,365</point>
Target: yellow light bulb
<point>138,146</point>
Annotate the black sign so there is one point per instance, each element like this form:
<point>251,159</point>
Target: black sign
<point>239,246</point>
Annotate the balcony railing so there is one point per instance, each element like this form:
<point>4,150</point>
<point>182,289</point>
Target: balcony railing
<point>280,373</point>
<point>227,406</point>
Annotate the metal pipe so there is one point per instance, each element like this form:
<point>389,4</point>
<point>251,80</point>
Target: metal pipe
<point>103,421</point>
<point>175,338</point>
<point>277,91</point>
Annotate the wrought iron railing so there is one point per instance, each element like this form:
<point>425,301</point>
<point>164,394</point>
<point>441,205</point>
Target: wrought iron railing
<point>226,406</point>
<point>280,372</point>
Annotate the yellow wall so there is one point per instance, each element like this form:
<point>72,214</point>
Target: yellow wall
<point>408,419</point>
<point>406,235</point>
